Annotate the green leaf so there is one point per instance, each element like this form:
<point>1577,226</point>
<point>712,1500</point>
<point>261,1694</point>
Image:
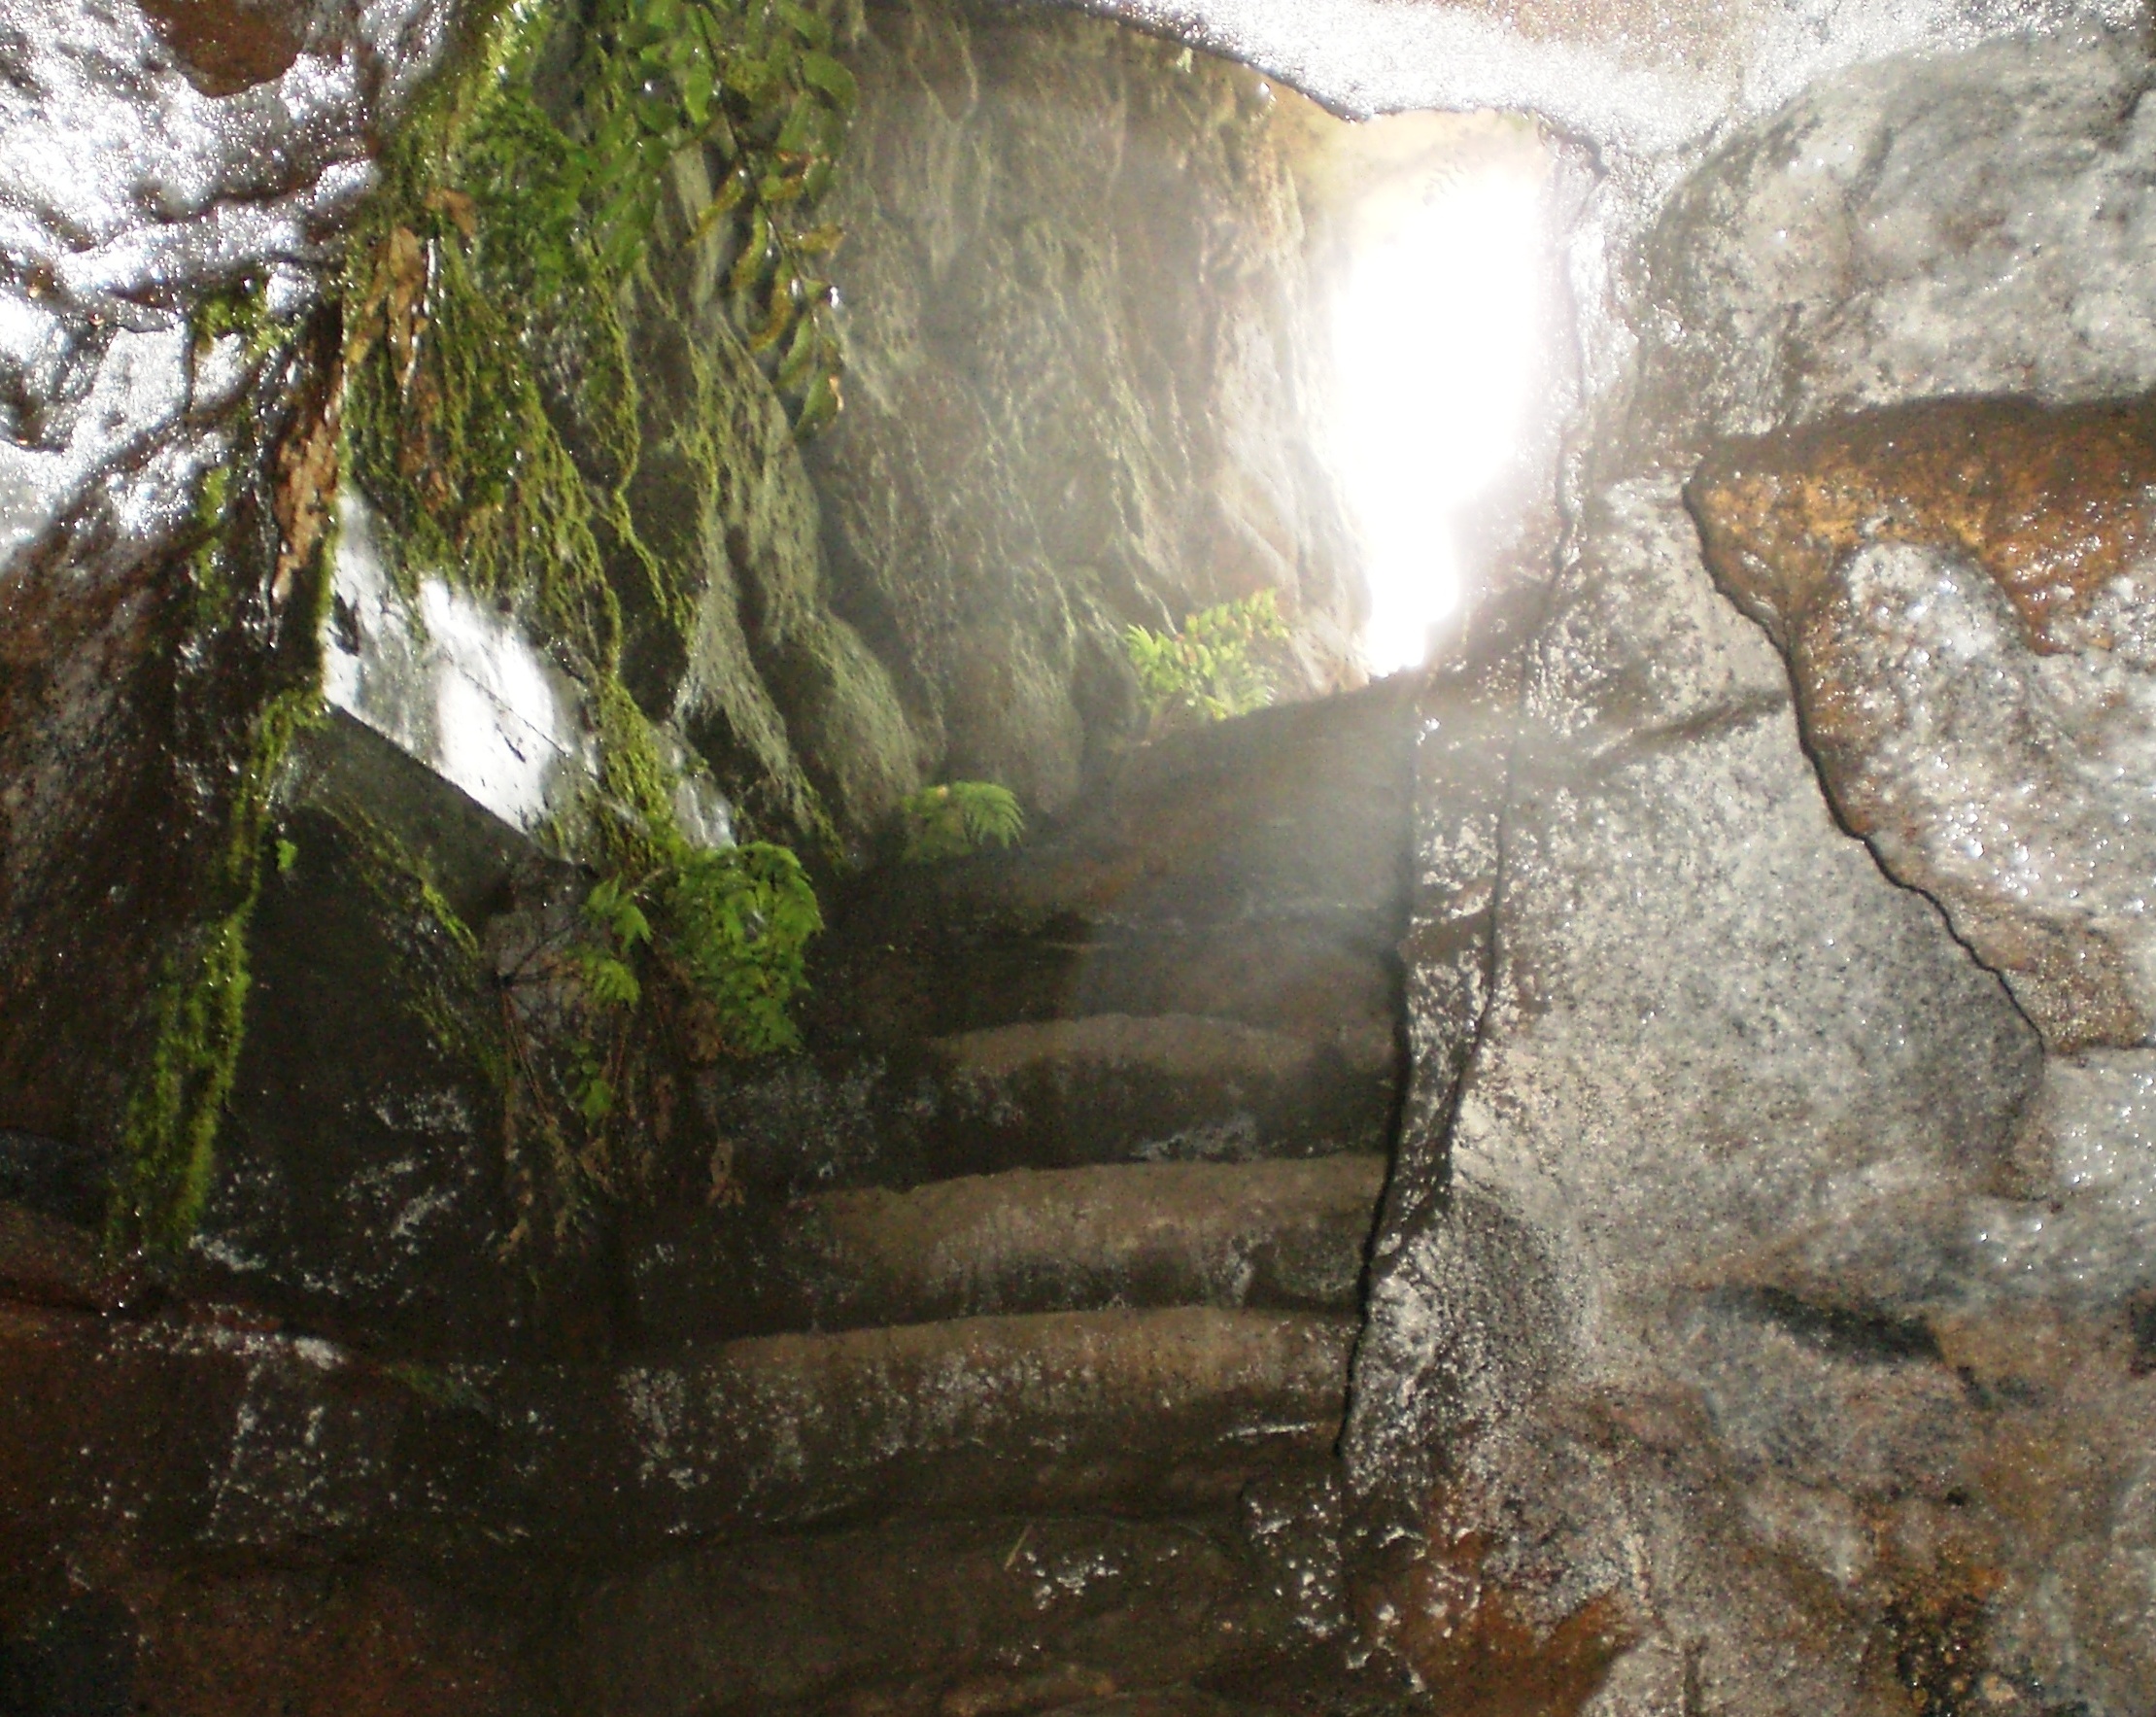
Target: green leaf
<point>801,352</point>
<point>819,407</point>
<point>748,77</point>
<point>608,980</point>
<point>803,126</point>
<point>958,818</point>
<point>595,1098</point>
<point>780,318</point>
<point>832,79</point>
<point>1206,668</point>
<point>697,87</point>
<point>630,925</point>
<point>754,251</point>
<point>808,25</point>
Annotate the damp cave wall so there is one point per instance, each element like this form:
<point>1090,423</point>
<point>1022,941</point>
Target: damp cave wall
<point>1078,405</point>
<point>1754,1318</point>
<point>1757,1322</point>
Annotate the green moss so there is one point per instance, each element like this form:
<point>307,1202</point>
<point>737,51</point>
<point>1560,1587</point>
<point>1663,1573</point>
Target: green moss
<point>197,1021</point>
<point>244,310</point>
<point>171,1124</point>
<point>493,414</point>
<point>247,683</point>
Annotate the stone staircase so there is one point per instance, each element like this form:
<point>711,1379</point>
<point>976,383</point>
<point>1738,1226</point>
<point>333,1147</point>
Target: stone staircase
<point>998,1366</point>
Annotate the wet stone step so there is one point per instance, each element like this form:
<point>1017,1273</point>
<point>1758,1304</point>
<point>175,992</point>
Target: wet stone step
<point>1284,1235</point>
<point>211,1437</point>
<point>1130,1411</point>
<point>1104,1089</point>
<point>990,1616</point>
<point>1268,965</point>
<point>1255,870</point>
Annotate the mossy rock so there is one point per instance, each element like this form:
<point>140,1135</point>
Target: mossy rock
<point>359,1181</point>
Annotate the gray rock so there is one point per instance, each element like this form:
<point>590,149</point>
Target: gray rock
<point>1079,388</point>
<point>1769,1333</point>
<point>1967,224</point>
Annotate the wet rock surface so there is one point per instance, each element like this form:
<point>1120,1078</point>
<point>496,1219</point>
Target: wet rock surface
<point>1973,684</point>
<point>1762,1341</point>
<point>346,1386</point>
<point>1199,965</point>
<point>1017,1614</point>
<point>1286,1235</point>
<point>134,195</point>
<point>1083,386</point>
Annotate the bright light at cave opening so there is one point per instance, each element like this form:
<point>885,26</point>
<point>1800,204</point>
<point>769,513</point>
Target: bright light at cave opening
<point>1438,334</point>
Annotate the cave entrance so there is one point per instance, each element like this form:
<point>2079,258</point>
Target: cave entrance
<point>1440,266</point>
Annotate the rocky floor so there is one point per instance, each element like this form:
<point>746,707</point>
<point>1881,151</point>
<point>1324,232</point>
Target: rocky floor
<point>1005,1375</point>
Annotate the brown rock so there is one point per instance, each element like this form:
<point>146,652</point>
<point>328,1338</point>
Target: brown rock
<point>2052,501</point>
<point>228,46</point>
<point>1978,771</point>
<point>326,1644</point>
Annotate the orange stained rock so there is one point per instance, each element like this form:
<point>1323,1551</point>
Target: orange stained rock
<point>2053,502</point>
<point>1477,1645</point>
<point>228,46</point>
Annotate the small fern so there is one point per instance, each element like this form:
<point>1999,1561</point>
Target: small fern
<point>739,920</point>
<point>959,817</point>
<point>1207,669</point>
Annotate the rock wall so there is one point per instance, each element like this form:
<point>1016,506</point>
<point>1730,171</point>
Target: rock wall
<point>156,163</point>
<point>1758,1324</point>
<point>1082,379</point>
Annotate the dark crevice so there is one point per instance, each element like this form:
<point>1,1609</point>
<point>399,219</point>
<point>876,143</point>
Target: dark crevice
<point>1864,1333</point>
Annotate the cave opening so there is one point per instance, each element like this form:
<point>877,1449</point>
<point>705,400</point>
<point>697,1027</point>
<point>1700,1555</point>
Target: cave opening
<point>742,971</point>
<point>1445,343</point>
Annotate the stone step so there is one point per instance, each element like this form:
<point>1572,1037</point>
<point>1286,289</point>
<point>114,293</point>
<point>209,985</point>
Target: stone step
<point>215,1433</point>
<point>1066,1412</point>
<point>1284,1235</point>
<point>1063,1093</point>
<point>1256,870</point>
<point>991,1616</point>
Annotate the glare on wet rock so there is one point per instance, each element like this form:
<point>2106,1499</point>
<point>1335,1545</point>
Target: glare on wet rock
<point>456,684</point>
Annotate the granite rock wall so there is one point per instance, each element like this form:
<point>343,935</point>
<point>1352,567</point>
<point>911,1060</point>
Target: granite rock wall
<point>1773,1337</point>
